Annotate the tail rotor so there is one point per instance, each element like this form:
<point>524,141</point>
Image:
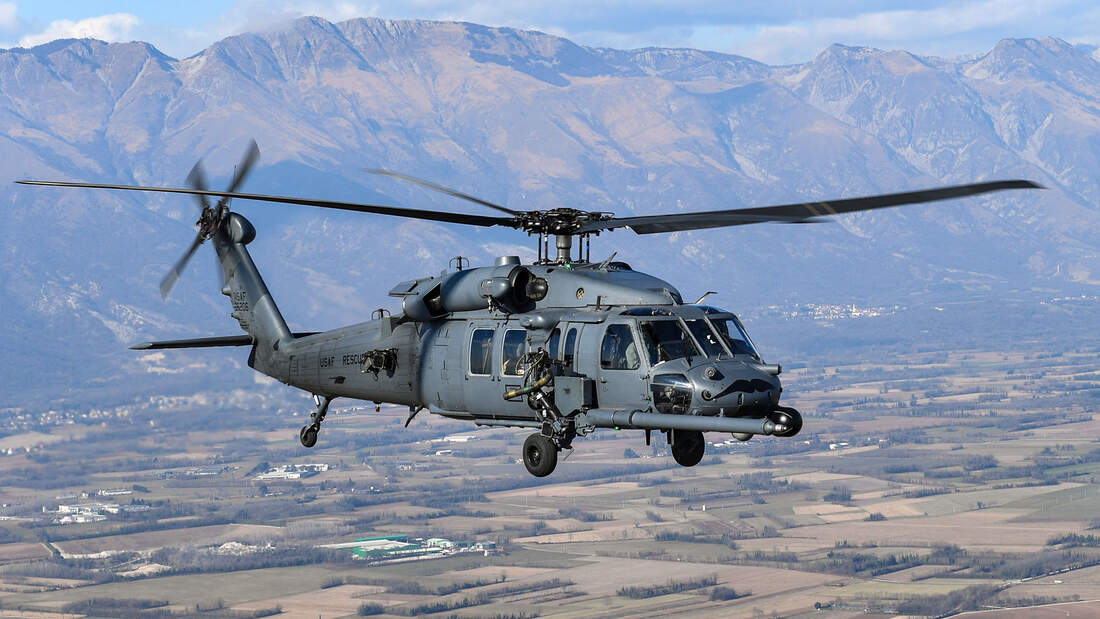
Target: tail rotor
<point>210,217</point>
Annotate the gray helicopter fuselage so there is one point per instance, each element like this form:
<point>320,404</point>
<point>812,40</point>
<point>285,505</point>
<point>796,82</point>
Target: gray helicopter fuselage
<point>625,337</point>
<point>561,345</point>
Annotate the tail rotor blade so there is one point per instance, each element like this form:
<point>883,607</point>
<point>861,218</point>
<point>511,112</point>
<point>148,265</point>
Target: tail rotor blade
<point>173,276</point>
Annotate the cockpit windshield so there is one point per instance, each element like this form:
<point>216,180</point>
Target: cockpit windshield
<point>666,340</point>
<point>705,336</point>
<point>733,333</point>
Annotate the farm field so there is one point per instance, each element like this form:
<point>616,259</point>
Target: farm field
<point>937,483</point>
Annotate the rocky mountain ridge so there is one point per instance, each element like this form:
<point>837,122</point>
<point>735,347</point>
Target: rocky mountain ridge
<point>532,121</point>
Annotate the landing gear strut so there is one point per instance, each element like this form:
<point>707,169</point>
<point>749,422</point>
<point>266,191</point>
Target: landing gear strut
<point>540,450</point>
<point>688,447</point>
<point>308,433</point>
<point>540,455</point>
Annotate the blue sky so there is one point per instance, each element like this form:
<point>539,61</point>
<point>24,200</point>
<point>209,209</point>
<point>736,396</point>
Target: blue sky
<point>771,31</point>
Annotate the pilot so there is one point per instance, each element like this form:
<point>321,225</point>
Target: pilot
<point>630,355</point>
<point>621,352</point>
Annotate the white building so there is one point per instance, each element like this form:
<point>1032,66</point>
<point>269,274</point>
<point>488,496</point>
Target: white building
<point>292,471</point>
<point>460,438</point>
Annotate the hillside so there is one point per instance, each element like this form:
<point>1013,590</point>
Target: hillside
<point>532,121</point>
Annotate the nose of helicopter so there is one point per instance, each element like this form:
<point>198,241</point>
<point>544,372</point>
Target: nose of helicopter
<point>735,388</point>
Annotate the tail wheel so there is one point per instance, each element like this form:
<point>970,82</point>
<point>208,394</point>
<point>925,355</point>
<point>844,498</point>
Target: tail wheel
<point>688,447</point>
<point>540,455</point>
<point>789,417</point>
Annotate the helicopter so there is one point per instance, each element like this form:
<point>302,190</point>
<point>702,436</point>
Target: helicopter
<point>563,346</point>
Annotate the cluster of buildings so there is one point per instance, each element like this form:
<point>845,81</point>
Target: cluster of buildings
<point>85,510</point>
<point>409,465</point>
<point>399,547</point>
<point>195,471</point>
<point>830,312</point>
<point>103,492</point>
<point>292,471</point>
<point>82,513</point>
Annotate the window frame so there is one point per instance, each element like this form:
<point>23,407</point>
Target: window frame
<point>633,340</point>
<point>569,349</point>
<point>503,351</point>
<point>488,366</point>
<point>715,318</point>
<point>719,341</point>
<point>553,347</point>
<point>641,323</point>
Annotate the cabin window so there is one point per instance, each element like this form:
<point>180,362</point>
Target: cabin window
<point>570,345</point>
<point>481,352</point>
<point>619,352</point>
<point>666,340</point>
<point>515,344</point>
<point>553,343</point>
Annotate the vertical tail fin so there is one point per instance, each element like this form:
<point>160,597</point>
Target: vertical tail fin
<point>253,306</point>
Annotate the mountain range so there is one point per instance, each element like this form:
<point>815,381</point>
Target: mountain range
<point>528,120</point>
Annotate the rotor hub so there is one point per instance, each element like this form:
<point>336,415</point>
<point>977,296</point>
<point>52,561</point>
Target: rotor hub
<point>562,221</point>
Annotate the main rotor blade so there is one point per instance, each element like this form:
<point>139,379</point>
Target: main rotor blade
<point>455,218</point>
<point>803,212</point>
<point>441,189</point>
<point>173,276</point>
<point>197,180</point>
<point>250,157</point>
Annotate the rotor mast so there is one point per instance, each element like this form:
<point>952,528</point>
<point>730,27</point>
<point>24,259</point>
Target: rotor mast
<point>564,243</point>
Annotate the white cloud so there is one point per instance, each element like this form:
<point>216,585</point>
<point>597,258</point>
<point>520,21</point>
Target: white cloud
<point>922,31</point>
<point>9,16</point>
<point>113,27</point>
<point>770,31</point>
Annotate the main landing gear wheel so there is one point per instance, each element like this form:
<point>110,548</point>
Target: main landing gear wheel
<point>308,435</point>
<point>540,455</point>
<point>688,447</point>
<point>786,416</point>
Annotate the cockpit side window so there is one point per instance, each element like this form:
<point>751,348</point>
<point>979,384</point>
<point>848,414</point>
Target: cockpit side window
<point>666,340</point>
<point>705,336</point>
<point>618,351</point>
<point>481,352</point>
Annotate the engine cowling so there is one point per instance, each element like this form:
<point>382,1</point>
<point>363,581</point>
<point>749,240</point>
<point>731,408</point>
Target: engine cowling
<point>513,288</point>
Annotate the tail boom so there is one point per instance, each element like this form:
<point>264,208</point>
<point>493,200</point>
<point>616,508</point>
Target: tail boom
<point>253,306</point>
